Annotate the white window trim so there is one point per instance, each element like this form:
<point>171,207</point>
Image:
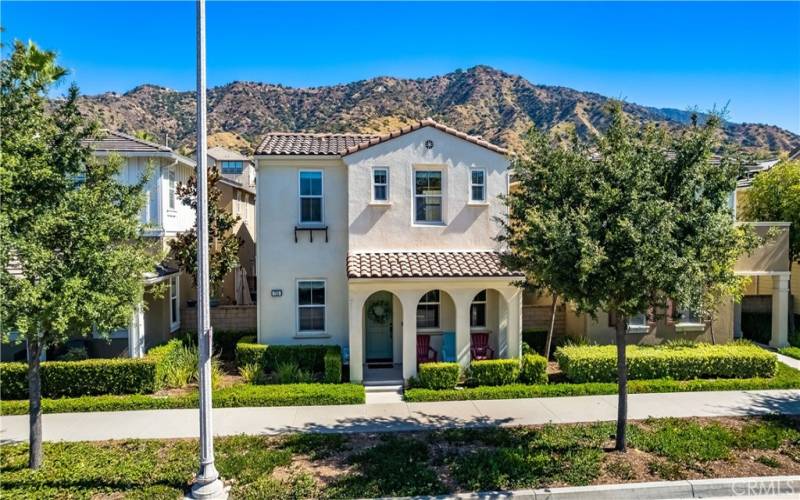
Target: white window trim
<point>321,197</point>
<point>485,200</point>
<point>375,201</point>
<point>310,333</point>
<point>485,303</point>
<point>637,327</point>
<point>177,296</point>
<point>689,326</point>
<point>428,168</point>
<point>438,315</point>
<point>172,190</point>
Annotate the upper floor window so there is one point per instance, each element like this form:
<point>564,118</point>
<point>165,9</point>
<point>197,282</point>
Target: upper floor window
<point>477,311</point>
<point>428,310</point>
<point>477,185</point>
<point>428,196</point>
<point>232,167</point>
<point>311,197</point>
<point>380,184</point>
<point>171,194</point>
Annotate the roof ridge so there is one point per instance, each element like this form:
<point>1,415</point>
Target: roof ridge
<point>323,134</point>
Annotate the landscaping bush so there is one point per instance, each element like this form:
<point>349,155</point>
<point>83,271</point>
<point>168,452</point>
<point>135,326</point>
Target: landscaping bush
<point>166,358</point>
<point>599,363</point>
<point>322,360</point>
<point>438,375</point>
<point>494,372</point>
<point>224,341</point>
<point>792,352</point>
<point>533,369</point>
<point>535,339</point>
<point>243,395</point>
<point>81,378</point>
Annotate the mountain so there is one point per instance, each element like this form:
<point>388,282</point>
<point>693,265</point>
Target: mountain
<point>482,101</point>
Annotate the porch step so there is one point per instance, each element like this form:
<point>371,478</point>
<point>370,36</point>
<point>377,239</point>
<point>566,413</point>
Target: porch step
<point>384,386</point>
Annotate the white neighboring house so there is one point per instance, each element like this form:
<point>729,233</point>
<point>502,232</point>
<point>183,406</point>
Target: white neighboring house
<point>165,216</point>
<point>233,165</point>
<point>372,242</point>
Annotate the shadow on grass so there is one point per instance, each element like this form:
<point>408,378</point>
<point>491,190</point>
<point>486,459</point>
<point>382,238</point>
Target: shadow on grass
<point>415,422</point>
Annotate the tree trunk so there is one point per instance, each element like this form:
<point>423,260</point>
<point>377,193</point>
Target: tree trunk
<point>622,381</point>
<point>35,404</point>
<point>549,342</point>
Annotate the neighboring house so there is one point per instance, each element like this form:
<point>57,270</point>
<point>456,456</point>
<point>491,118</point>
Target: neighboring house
<point>165,217</point>
<point>233,165</point>
<point>384,244</point>
<point>238,186</point>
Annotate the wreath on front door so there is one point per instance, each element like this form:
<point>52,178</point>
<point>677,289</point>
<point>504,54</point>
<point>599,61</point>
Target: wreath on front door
<point>378,311</point>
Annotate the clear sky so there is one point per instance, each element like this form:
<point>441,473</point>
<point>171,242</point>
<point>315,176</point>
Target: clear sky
<point>659,54</point>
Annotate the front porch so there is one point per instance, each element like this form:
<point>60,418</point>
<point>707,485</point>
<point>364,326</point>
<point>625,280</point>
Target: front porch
<point>396,323</point>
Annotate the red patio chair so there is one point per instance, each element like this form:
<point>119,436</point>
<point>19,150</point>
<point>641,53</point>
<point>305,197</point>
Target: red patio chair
<point>425,353</point>
<point>479,347</point>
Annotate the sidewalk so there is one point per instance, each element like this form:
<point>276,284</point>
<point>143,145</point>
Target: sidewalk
<point>394,417</point>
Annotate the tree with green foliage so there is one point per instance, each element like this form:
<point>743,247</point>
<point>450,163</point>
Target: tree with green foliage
<point>72,255</point>
<point>223,244</point>
<point>625,224</point>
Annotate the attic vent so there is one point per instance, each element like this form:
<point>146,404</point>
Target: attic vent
<point>429,144</point>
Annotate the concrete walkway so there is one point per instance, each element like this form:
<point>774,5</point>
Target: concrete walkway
<point>394,417</point>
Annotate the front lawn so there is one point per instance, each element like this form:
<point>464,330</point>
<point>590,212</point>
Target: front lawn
<point>420,463</point>
<point>785,378</point>
<point>233,396</point>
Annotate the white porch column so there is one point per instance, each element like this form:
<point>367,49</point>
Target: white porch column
<point>780,311</point>
<point>409,302</point>
<point>356,336</point>
<point>462,301</point>
<point>136,333</point>
<point>510,319</point>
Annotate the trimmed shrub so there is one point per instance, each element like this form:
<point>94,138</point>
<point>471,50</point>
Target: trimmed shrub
<point>81,378</point>
<point>792,352</point>
<point>438,375</point>
<point>325,360</point>
<point>165,357</point>
<point>533,369</point>
<point>333,366</point>
<point>224,341</point>
<point>494,372</point>
<point>599,363</point>
<point>235,396</point>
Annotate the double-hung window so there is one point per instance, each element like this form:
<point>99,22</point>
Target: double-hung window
<point>428,196</point>
<point>477,311</point>
<point>311,197</point>
<point>174,304</point>
<point>311,307</point>
<point>380,184</point>
<point>232,167</point>
<point>477,185</point>
<point>171,193</point>
<point>428,311</point>
<point>638,323</point>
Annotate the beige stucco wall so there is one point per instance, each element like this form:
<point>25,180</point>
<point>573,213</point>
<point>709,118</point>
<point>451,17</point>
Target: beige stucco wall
<point>773,255</point>
<point>245,229</point>
<point>382,227</point>
<point>281,261</point>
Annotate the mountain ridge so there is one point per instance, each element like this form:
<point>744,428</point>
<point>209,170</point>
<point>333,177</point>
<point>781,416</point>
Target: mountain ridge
<point>498,106</point>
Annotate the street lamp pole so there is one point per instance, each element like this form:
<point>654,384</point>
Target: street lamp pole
<point>207,483</point>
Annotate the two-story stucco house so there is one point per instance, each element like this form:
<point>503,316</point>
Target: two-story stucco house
<point>385,245</point>
<point>165,217</point>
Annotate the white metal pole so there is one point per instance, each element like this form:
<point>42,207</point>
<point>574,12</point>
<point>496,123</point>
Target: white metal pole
<point>207,483</point>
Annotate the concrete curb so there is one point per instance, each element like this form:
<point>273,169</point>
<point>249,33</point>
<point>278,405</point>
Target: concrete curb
<point>661,490</point>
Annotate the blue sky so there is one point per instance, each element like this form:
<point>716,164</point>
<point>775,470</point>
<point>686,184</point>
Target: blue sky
<point>659,54</point>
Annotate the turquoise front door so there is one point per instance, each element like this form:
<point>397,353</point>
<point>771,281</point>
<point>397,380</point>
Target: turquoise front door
<point>378,310</point>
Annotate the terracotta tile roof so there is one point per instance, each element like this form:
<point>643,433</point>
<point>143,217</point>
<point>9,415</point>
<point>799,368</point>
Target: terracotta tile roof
<point>290,143</point>
<point>427,265</point>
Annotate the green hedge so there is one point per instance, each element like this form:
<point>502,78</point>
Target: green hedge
<point>81,378</point>
<point>438,375</point>
<point>224,341</point>
<point>243,395</point>
<point>599,363</point>
<point>162,356</point>
<point>786,378</point>
<point>494,372</point>
<point>319,359</point>
<point>533,369</point>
